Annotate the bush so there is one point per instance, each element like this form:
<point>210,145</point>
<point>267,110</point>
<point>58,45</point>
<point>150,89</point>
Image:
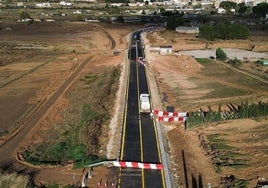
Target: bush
<point>79,18</point>
<point>24,15</point>
<point>235,62</point>
<point>220,54</point>
<point>204,60</point>
<point>173,22</point>
<point>261,10</point>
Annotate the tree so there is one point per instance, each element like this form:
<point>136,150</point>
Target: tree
<point>223,31</point>
<point>173,22</point>
<point>120,19</point>
<point>242,8</point>
<point>260,10</point>
<point>162,11</point>
<point>207,32</point>
<point>166,13</point>
<point>24,15</point>
<point>220,54</point>
<point>228,5</point>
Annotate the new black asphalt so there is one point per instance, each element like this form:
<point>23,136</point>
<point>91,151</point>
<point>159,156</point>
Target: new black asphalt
<point>139,137</point>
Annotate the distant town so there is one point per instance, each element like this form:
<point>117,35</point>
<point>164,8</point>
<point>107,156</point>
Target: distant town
<point>254,13</point>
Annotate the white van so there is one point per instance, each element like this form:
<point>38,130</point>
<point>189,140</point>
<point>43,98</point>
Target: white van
<point>145,106</point>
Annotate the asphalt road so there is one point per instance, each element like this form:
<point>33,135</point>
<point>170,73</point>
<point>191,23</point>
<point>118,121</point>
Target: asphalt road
<point>139,141</point>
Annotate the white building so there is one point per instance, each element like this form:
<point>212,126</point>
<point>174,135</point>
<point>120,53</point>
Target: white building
<point>165,50</point>
<point>161,49</point>
<point>116,4</point>
<point>77,12</point>
<point>20,4</point>
<point>43,5</point>
<point>90,1</point>
<point>63,3</point>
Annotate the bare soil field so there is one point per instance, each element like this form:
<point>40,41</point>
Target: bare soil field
<point>37,59</point>
<point>187,85</point>
<point>29,76</point>
<point>257,42</point>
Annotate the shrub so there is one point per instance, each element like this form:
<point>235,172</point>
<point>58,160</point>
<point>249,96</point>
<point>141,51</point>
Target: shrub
<point>220,54</point>
<point>235,62</point>
<point>174,22</point>
<point>24,15</point>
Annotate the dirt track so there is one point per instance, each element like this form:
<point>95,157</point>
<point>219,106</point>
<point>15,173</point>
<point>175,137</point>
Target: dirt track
<point>10,144</point>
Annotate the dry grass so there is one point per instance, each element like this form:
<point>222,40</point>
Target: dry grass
<point>13,180</point>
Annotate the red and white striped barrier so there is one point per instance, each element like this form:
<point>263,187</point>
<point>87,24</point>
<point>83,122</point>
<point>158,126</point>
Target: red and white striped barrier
<point>172,119</point>
<point>138,165</point>
<point>170,114</point>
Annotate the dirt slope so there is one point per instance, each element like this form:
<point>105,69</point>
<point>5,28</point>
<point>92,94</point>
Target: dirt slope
<point>187,85</point>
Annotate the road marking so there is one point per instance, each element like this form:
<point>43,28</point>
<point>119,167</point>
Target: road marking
<point>125,118</point>
<point>156,133</point>
<point>140,130</point>
<point>126,175</point>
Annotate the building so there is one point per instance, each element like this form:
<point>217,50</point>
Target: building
<point>63,3</point>
<point>182,29</point>
<point>43,5</point>
<point>161,49</point>
<point>20,4</point>
<point>165,50</point>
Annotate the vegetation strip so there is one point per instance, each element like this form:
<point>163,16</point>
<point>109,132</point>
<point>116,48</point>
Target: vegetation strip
<point>79,142</point>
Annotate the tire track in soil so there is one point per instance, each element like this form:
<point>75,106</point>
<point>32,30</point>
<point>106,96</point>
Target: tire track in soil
<point>113,43</point>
